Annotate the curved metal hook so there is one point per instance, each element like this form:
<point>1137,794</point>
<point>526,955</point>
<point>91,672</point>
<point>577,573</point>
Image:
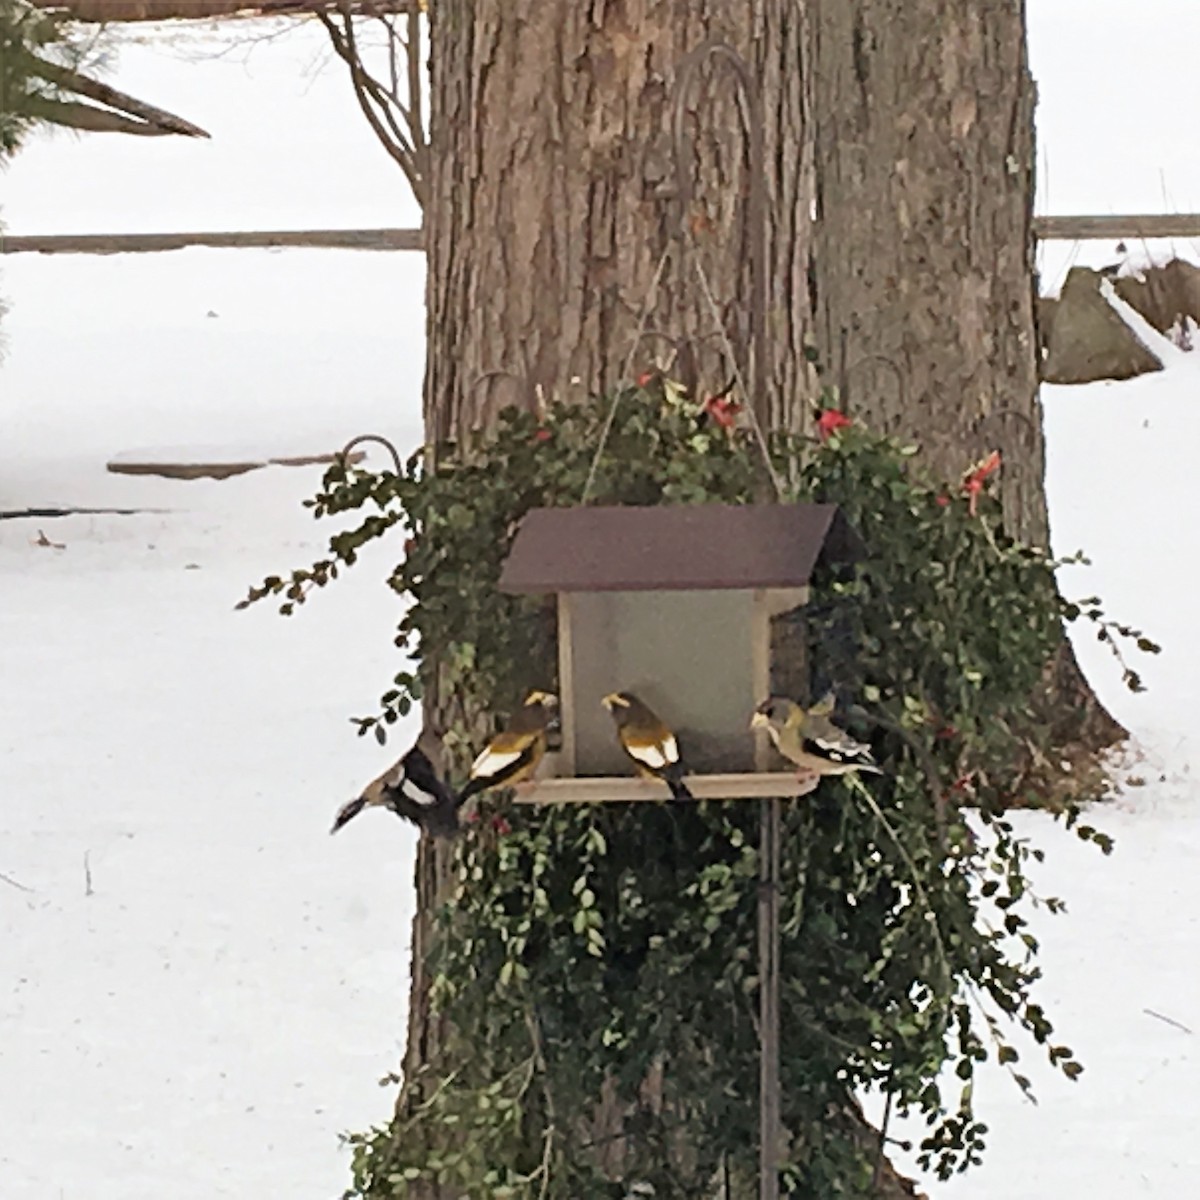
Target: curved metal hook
<point>488,376</point>
<point>1009,411</point>
<point>686,72</point>
<point>878,360</point>
<point>524,391</point>
<point>676,344</point>
<point>379,440</point>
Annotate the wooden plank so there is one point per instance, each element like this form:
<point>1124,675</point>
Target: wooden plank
<point>50,514</point>
<point>144,243</point>
<point>1046,228</point>
<point>1109,227</point>
<point>623,789</point>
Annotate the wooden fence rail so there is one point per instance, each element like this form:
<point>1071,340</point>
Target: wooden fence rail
<point>142,243</point>
<point>1064,228</point>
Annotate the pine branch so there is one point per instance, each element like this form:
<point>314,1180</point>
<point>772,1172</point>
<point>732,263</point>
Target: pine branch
<point>153,121</point>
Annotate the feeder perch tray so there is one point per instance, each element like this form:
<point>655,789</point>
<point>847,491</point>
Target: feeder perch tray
<point>623,789</point>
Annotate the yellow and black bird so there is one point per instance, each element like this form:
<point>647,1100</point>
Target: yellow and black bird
<point>512,756</point>
<point>653,748</point>
<point>810,739</point>
<point>412,790</point>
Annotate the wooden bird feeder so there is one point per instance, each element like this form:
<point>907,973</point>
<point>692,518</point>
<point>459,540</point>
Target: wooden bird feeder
<point>674,604</point>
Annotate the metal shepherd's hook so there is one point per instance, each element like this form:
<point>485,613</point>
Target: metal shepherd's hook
<point>377,439</point>
<point>686,73</point>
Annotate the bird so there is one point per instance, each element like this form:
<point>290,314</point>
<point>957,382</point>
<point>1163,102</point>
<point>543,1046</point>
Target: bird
<point>412,790</point>
<point>513,755</point>
<point>653,748</point>
<point>810,739</point>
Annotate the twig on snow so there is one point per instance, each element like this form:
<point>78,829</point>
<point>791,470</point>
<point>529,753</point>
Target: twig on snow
<point>1167,1020</point>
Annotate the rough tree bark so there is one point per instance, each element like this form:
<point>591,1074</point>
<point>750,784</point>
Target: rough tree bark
<point>922,272</point>
<point>552,203</point>
<point>922,266</point>
<point>554,223</point>
<point>552,196</point>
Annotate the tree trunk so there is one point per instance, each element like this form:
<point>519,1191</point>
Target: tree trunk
<point>554,228</point>
<point>553,198</point>
<point>922,265</point>
<point>922,271</point>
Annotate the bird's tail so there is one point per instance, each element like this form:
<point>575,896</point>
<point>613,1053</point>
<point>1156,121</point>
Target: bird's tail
<point>679,789</point>
<point>471,788</point>
<point>442,819</point>
<point>348,812</point>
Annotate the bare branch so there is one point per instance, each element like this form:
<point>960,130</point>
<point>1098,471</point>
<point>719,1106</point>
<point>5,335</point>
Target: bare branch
<point>377,92</point>
<point>368,93</point>
<point>416,114</point>
<point>393,68</point>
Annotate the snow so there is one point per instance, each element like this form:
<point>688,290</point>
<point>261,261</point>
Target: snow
<point>199,986</point>
<point>222,1005</point>
<point>219,1009</point>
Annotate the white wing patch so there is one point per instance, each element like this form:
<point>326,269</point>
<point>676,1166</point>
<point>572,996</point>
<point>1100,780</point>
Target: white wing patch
<point>491,762</point>
<point>842,750</point>
<point>665,754</point>
<point>417,795</point>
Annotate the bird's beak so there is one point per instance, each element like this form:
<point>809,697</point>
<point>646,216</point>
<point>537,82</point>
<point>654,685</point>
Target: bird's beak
<point>610,701</point>
<point>348,812</point>
<point>760,720</point>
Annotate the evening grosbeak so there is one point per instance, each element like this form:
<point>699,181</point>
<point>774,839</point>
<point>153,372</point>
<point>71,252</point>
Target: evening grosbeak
<point>648,742</point>
<point>412,790</point>
<point>810,739</point>
<point>512,756</point>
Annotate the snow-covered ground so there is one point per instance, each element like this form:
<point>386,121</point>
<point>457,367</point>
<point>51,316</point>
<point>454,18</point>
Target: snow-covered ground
<point>219,1008</point>
<point>198,986</point>
<point>222,1004</point>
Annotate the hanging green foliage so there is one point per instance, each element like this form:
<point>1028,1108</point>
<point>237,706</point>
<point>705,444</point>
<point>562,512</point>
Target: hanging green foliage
<point>595,966</point>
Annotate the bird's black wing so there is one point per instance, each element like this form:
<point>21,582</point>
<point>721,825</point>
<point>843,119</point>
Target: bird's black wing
<point>418,771</point>
<point>513,766</point>
<point>840,754</point>
<point>421,797</point>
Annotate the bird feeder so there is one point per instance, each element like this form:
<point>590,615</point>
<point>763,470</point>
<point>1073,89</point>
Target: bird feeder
<point>674,604</point>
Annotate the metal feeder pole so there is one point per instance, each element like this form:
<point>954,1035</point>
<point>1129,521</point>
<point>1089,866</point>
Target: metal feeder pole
<point>768,982</point>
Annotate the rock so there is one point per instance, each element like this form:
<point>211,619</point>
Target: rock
<point>1167,296</point>
<point>177,470</point>
<point>181,465</point>
<point>1084,339</point>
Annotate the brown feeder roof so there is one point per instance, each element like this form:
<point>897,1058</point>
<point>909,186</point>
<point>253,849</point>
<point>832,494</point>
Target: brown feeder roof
<point>682,548</point>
